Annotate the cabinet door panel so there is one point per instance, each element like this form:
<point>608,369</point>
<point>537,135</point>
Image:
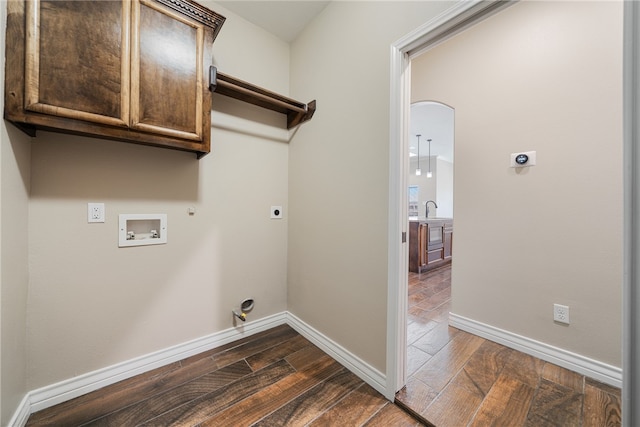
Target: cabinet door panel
<point>74,60</point>
<point>166,91</point>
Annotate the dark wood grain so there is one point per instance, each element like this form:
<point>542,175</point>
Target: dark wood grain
<point>271,398</point>
<point>204,407</point>
<point>441,368</point>
<point>169,73</point>
<point>304,357</point>
<point>506,404</point>
<point>174,397</point>
<point>313,403</point>
<point>96,404</point>
<point>416,396</point>
<point>486,364</point>
<point>601,408</point>
<point>355,409</point>
<point>275,377</point>
<point>456,404</point>
<point>518,389</point>
<point>75,75</point>
<point>113,397</point>
<point>391,415</point>
<point>79,42</point>
<point>286,348</point>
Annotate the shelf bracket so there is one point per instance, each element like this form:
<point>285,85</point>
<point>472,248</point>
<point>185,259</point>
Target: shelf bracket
<point>296,112</point>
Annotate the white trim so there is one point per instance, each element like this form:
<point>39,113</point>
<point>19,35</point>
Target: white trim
<point>397,275</point>
<point>362,369</point>
<point>63,391</point>
<point>591,368</point>
<point>68,389</point>
<point>448,23</point>
<point>631,239</point>
<point>22,413</point>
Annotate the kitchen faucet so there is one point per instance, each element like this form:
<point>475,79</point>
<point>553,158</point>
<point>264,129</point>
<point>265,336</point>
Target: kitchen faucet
<point>426,205</point>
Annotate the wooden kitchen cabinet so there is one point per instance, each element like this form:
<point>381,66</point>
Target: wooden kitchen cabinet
<point>132,70</point>
<point>430,243</point>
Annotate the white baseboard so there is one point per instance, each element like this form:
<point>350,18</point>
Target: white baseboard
<point>54,394</point>
<point>602,372</point>
<point>21,415</point>
<point>366,372</point>
<point>65,390</point>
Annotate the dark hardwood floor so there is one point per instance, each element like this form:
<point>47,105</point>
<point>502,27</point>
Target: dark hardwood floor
<point>459,379</point>
<point>278,378</point>
<point>275,378</point>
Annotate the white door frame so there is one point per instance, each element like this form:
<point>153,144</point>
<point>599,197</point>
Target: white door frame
<point>460,16</point>
<point>631,230</point>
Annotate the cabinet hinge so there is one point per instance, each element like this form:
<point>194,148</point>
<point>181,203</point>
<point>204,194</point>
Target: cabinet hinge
<point>404,237</point>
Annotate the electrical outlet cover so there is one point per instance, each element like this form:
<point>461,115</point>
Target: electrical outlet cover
<point>95,212</point>
<point>561,313</point>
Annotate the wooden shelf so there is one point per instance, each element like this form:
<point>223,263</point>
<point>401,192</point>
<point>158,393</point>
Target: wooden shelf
<point>297,112</point>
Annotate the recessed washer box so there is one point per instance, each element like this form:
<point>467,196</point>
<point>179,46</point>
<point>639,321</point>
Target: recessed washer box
<point>142,229</point>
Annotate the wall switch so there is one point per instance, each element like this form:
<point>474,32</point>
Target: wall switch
<point>95,212</point>
<point>561,313</point>
<point>276,212</point>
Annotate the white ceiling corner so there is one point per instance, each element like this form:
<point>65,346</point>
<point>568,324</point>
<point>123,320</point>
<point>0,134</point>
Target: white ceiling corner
<point>284,18</point>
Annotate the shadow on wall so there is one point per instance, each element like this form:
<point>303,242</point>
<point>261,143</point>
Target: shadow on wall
<point>247,119</point>
<point>88,168</point>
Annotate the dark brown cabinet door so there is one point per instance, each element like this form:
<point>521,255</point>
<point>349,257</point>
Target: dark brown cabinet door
<point>130,70</point>
<point>76,62</point>
<point>166,70</point>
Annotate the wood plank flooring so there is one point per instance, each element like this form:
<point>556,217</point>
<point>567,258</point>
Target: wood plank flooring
<point>274,378</point>
<point>278,378</point>
<point>458,379</point>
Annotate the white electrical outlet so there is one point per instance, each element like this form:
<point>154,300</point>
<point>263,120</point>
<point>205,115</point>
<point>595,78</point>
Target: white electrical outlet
<point>561,313</point>
<point>95,212</point>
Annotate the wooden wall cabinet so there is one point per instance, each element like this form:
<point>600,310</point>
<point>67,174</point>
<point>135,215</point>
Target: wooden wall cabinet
<point>430,244</point>
<point>131,70</point>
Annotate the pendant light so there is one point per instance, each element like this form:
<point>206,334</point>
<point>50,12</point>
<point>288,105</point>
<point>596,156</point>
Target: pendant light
<point>418,171</point>
<point>429,174</point>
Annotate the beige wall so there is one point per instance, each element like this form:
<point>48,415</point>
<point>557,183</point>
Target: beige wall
<point>543,76</point>
<point>14,212</point>
<point>338,171</point>
<point>427,187</point>
<point>444,188</point>
<point>92,304</point>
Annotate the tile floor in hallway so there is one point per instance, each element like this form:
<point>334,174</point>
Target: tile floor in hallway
<point>458,379</point>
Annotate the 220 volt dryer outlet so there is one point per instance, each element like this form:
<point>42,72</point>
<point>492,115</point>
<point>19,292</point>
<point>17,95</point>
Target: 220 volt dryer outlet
<point>276,212</point>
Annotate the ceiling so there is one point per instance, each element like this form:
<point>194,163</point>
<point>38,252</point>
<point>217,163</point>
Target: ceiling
<point>285,19</point>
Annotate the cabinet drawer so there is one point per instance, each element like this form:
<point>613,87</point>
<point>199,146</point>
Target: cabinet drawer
<point>435,255</point>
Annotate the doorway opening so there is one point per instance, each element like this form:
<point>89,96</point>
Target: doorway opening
<point>404,51</point>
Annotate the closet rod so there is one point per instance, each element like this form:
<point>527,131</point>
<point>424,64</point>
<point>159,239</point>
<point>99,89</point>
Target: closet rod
<point>297,112</point>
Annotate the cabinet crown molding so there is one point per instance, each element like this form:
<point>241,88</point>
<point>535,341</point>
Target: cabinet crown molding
<point>199,13</point>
